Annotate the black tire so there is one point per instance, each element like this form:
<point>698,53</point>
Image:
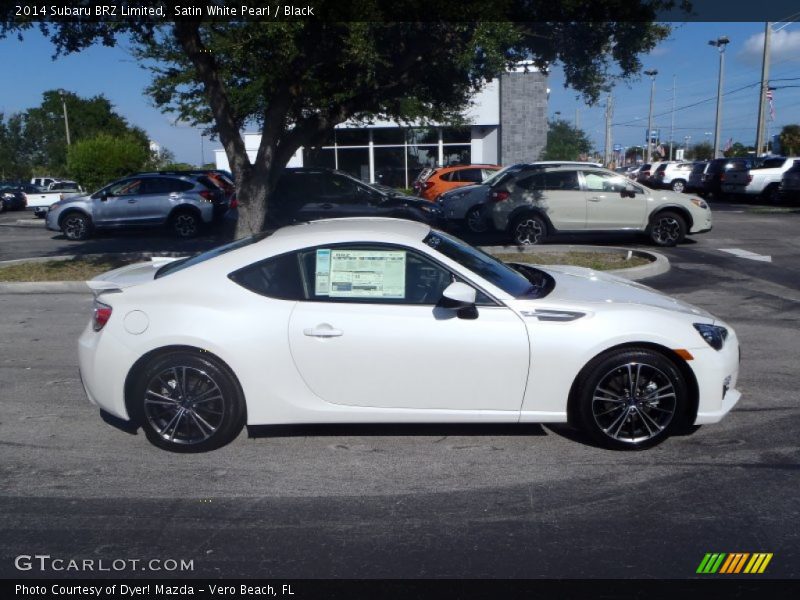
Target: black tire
<point>187,402</point>
<point>185,224</point>
<point>667,229</point>
<point>615,418</point>
<point>76,226</point>
<point>475,221</point>
<point>678,185</point>
<point>529,230</point>
<point>772,193</point>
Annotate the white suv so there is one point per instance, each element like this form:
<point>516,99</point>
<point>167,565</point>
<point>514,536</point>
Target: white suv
<point>539,201</point>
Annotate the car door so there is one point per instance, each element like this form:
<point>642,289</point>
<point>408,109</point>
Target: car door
<point>117,204</point>
<point>159,195</point>
<point>557,193</point>
<point>370,335</point>
<point>607,209</point>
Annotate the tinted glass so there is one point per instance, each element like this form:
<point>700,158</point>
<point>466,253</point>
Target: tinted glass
<point>341,189</point>
<point>127,187</point>
<point>179,265</point>
<point>772,163</point>
<point>470,175</point>
<point>489,268</point>
<point>276,277</point>
<point>698,168</point>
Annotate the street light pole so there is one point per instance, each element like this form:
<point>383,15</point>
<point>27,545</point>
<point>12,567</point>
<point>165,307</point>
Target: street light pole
<point>66,119</point>
<point>652,74</point>
<point>762,100</point>
<point>720,44</point>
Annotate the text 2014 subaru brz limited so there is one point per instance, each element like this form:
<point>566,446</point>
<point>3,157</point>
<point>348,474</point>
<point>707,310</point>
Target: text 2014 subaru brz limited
<point>368,320</point>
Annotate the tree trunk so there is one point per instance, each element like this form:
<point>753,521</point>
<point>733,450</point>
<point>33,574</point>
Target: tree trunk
<point>253,194</point>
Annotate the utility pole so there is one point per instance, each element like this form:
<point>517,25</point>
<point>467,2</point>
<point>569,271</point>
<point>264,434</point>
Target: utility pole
<point>672,118</point>
<point>609,109</point>
<point>762,99</point>
<point>577,118</point>
<point>63,95</point>
<point>720,44</point>
<point>652,74</point>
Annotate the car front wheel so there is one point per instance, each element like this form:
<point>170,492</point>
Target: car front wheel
<point>475,221</point>
<point>529,230</point>
<point>667,229</point>
<point>631,399</point>
<point>678,185</point>
<point>76,226</point>
<point>188,402</point>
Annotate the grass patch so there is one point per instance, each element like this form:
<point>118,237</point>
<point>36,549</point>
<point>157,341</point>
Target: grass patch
<point>599,261</point>
<point>75,269</point>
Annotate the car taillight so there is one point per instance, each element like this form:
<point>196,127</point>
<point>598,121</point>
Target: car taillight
<point>499,196</point>
<point>207,195</point>
<point>102,313</point>
<point>660,175</point>
<point>234,201</point>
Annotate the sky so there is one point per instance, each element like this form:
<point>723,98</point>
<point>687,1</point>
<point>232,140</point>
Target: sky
<point>686,55</point>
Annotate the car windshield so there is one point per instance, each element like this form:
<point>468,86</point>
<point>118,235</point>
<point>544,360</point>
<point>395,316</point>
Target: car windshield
<point>525,282</point>
<point>183,263</point>
<point>496,176</point>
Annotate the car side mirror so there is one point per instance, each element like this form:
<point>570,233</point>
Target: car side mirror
<point>104,196</point>
<point>460,297</point>
<point>628,192</point>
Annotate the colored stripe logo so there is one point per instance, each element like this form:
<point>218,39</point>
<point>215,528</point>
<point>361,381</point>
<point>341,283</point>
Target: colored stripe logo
<point>734,563</point>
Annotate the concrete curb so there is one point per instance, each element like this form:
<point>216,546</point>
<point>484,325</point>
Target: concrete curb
<point>660,264</point>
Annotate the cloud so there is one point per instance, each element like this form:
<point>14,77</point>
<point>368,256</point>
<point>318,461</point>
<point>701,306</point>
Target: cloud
<point>784,45</point>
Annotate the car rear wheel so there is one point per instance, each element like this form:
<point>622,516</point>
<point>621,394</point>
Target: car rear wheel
<point>631,399</point>
<point>667,229</point>
<point>772,194</point>
<point>679,185</point>
<point>76,226</point>
<point>188,402</point>
<point>475,221</point>
<point>529,230</point>
<point>185,224</point>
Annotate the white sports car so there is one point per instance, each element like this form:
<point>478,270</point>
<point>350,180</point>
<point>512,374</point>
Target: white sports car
<point>384,320</point>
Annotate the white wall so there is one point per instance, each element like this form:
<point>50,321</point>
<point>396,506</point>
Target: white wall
<point>221,159</point>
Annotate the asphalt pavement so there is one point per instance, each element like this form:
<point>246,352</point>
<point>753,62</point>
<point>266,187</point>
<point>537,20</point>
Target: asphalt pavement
<point>412,501</point>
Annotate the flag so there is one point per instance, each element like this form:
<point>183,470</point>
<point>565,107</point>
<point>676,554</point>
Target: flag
<point>771,104</point>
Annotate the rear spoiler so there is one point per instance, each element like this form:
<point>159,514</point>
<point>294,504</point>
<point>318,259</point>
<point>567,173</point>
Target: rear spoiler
<point>98,285</point>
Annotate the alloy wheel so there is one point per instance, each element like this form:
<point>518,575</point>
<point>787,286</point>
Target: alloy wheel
<point>184,405</point>
<point>529,231</point>
<point>185,225</point>
<point>74,227</point>
<point>667,231</point>
<point>634,403</point>
<point>475,221</point>
<point>678,186</point>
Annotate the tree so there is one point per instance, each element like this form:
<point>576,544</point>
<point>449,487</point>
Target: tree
<point>13,163</point>
<point>790,140</point>
<point>700,151</point>
<point>565,142</point>
<point>96,161</point>
<point>296,80</point>
<point>738,149</point>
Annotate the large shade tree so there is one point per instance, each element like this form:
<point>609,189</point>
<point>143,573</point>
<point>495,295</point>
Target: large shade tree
<point>296,80</point>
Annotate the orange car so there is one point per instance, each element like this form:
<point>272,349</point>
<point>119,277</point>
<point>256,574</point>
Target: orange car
<point>448,178</point>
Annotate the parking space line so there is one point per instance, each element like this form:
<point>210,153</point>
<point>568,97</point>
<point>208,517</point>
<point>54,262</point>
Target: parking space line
<point>747,254</point>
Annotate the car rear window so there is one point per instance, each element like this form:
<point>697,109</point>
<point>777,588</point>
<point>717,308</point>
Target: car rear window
<point>772,163</point>
<point>699,168</point>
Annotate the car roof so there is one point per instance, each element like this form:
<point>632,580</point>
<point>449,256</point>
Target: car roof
<point>355,227</point>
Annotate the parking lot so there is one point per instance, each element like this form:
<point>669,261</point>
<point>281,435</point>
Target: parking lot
<point>412,501</point>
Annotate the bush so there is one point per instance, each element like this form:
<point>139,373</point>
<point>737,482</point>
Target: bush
<point>96,161</point>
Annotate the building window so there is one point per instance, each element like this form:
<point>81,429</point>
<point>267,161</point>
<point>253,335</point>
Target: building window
<point>319,157</point>
<point>390,166</point>
<point>354,161</point>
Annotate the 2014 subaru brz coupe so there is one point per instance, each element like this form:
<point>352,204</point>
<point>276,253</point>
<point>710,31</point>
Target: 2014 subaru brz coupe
<point>389,321</point>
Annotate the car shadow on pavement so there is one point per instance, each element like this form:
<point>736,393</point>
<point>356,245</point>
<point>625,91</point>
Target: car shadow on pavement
<point>397,429</point>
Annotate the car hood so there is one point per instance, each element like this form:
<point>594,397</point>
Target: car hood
<point>129,275</point>
<point>578,285</point>
<point>403,200</point>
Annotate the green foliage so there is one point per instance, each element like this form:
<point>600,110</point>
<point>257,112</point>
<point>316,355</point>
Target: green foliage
<point>565,142</point>
<point>701,151</point>
<point>97,161</point>
<point>37,137</point>
<point>177,166</point>
<point>790,140</point>
<point>738,149</point>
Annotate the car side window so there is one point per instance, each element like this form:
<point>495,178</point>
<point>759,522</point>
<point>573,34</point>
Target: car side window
<point>276,277</point>
<point>341,189</point>
<point>561,181</point>
<point>603,182</point>
<point>127,187</point>
<point>470,175</point>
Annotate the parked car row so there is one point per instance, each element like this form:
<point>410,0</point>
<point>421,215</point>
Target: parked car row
<point>532,201</point>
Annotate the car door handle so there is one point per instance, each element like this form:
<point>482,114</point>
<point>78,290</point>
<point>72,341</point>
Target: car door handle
<point>322,331</point>
<point>595,198</point>
<point>131,201</point>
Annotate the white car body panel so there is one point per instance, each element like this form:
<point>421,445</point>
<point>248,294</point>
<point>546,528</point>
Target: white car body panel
<point>404,365</point>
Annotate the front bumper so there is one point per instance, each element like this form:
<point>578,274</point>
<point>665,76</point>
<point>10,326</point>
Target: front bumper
<point>717,373</point>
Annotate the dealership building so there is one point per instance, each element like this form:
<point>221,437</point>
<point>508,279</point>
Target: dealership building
<point>505,123</point>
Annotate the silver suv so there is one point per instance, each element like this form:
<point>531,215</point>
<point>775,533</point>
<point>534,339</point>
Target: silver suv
<point>536,202</point>
<point>181,202</point>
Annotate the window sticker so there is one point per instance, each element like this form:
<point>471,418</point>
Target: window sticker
<point>322,273</point>
<point>361,273</point>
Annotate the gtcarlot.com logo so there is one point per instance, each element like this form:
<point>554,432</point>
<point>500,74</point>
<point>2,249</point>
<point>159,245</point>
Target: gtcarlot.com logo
<point>722,563</point>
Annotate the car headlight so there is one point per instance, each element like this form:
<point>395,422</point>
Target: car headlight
<point>714,335</point>
<point>699,203</point>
